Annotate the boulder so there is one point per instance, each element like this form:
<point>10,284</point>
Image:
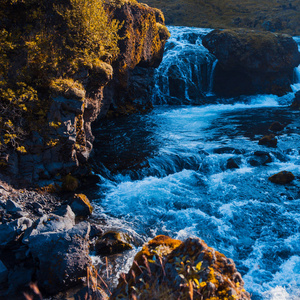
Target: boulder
<point>260,158</point>
<point>62,256</point>
<point>268,140</point>
<point>81,205</point>
<point>276,126</point>
<point>62,220</point>
<point>251,62</point>
<point>282,177</point>
<point>232,163</point>
<point>171,269</point>
<point>113,242</point>
<point>9,231</point>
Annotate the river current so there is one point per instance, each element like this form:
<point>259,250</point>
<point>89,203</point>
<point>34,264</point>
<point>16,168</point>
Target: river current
<point>165,172</point>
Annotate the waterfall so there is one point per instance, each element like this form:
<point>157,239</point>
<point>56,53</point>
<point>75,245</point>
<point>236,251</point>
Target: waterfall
<point>211,79</point>
<point>185,74</point>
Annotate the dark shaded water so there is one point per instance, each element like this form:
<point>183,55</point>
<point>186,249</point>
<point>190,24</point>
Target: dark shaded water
<point>166,173</point>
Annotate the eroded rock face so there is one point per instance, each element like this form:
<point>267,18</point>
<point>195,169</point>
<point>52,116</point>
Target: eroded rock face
<point>143,38</point>
<point>171,269</point>
<point>123,86</point>
<point>251,62</point>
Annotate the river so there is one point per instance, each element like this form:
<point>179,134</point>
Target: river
<point>166,172</point>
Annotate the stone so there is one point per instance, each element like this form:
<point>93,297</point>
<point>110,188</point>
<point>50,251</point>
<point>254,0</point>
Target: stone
<point>62,220</point>
<point>81,205</point>
<point>112,242</point>
<point>62,256</point>
<point>9,231</point>
<point>12,206</point>
<point>268,140</point>
<point>260,158</point>
<point>96,230</point>
<point>3,272</point>
<point>282,177</point>
<point>276,126</point>
<point>170,267</point>
<point>252,62</point>
<point>232,164</point>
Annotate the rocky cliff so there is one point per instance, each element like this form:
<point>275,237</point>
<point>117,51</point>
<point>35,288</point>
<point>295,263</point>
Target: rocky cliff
<point>67,82</point>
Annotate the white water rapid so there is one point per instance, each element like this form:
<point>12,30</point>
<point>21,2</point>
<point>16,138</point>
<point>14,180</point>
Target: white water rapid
<point>167,172</point>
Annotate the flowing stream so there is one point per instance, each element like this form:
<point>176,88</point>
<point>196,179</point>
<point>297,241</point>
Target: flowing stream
<point>166,172</point>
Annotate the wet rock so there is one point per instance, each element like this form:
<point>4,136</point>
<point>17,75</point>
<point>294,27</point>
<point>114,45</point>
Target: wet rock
<point>268,140</point>
<point>81,205</point>
<point>251,62</point>
<point>276,126</point>
<point>282,177</point>
<point>3,272</point>
<point>96,230</point>
<point>171,267</point>
<point>113,242</point>
<point>232,163</point>
<point>261,158</point>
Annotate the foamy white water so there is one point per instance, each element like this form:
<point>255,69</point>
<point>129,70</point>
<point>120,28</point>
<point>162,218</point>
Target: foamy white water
<point>166,173</point>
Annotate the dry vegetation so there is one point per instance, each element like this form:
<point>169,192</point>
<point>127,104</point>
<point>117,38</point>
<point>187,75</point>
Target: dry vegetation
<point>272,15</point>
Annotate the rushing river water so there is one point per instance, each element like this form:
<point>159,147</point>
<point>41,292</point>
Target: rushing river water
<point>166,172</point>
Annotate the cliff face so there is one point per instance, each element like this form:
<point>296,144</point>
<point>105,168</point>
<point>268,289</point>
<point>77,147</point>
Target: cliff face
<point>120,81</point>
<point>252,62</point>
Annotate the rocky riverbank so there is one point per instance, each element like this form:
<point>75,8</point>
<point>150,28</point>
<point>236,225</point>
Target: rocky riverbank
<point>47,240</point>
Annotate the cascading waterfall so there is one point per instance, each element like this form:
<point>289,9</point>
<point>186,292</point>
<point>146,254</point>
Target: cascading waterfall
<point>167,172</point>
<point>186,70</point>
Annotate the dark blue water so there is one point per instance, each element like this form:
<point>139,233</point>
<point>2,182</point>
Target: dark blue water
<point>166,173</point>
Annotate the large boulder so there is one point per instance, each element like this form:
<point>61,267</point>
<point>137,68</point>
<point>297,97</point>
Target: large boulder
<point>170,269</point>
<point>251,62</point>
<point>60,249</point>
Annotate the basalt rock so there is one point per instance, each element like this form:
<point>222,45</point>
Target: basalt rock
<point>251,62</point>
<point>171,269</point>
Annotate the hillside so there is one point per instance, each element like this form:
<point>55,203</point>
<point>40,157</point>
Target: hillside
<point>279,16</point>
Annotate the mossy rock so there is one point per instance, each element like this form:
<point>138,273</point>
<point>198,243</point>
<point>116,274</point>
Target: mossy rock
<point>113,242</point>
<point>168,269</point>
<point>81,205</point>
<point>282,177</point>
